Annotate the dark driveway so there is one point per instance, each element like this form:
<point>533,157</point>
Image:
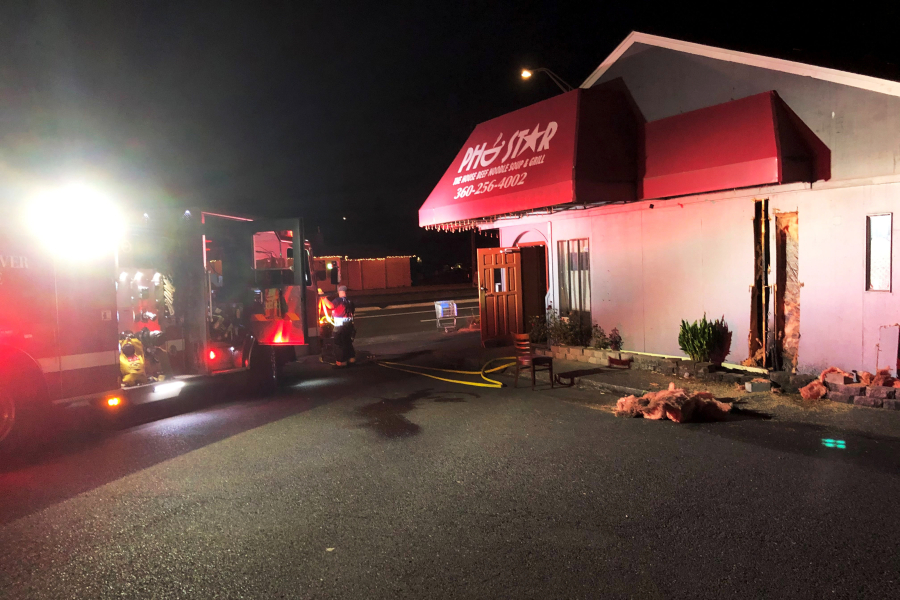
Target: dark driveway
<point>397,322</point>
<point>373,483</point>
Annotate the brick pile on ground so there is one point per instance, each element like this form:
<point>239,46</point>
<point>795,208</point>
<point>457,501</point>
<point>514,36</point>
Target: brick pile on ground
<point>817,389</point>
<point>881,379</point>
<point>674,404</point>
<point>875,391</point>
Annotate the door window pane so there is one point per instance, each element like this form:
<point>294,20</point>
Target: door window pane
<point>878,253</point>
<point>499,280</point>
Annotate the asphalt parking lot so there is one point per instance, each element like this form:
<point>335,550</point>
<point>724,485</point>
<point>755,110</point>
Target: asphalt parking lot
<point>375,483</point>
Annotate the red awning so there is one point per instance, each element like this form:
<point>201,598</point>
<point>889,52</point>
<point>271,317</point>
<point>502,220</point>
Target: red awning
<point>592,146</point>
<point>753,141</point>
<point>580,146</point>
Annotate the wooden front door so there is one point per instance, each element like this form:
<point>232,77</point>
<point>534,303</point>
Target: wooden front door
<point>500,292</point>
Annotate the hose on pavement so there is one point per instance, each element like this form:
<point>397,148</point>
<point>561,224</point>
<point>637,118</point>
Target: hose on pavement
<point>489,383</point>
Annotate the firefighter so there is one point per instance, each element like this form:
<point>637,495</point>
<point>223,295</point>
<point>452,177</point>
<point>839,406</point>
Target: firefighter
<point>131,362</point>
<point>342,309</point>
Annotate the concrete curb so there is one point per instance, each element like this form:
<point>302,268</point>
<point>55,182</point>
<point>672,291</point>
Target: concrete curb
<point>618,389</point>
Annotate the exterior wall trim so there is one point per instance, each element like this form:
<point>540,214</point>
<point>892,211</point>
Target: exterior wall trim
<point>872,84</point>
<point>770,190</point>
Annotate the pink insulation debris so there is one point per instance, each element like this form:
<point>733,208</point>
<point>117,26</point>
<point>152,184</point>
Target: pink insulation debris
<point>865,377</point>
<point>814,390</point>
<point>883,378</point>
<point>673,404</point>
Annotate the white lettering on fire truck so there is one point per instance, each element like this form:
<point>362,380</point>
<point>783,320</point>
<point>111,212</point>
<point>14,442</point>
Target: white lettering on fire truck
<point>13,262</point>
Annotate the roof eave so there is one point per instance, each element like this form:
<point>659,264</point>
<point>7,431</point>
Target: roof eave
<point>872,84</point>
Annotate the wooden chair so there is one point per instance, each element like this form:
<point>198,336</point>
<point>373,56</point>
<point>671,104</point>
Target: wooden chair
<point>525,358</point>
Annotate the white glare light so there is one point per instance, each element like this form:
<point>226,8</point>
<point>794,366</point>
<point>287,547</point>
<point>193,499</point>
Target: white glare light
<point>123,276</point>
<point>138,276</point>
<point>168,388</point>
<point>155,279</point>
<point>80,221</point>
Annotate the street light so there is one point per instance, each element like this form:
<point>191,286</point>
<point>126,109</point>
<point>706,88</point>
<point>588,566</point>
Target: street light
<point>565,87</point>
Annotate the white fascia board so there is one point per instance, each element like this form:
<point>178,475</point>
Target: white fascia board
<point>872,84</point>
<point>752,192</point>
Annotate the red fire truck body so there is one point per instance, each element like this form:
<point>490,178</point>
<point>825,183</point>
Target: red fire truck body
<point>223,293</point>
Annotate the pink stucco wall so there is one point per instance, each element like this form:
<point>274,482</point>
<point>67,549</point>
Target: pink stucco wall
<point>840,322</point>
<point>650,268</point>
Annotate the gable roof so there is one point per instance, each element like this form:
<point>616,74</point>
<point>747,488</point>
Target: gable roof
<point>873,84</point>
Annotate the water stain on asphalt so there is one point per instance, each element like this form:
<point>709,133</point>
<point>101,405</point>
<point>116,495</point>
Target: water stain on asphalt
<point>387,416</point>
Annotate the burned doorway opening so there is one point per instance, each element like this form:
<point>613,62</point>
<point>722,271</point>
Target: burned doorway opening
<point>759,292</point>
<point>787,292</point>
<point>775,306</point>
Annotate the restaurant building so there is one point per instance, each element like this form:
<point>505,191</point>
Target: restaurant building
<point>681,180</point>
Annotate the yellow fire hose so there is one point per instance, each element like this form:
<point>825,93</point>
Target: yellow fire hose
<point>491,383</point>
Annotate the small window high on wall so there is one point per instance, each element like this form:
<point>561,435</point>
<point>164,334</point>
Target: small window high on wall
<point>878,252</point>
<point>575,278</point>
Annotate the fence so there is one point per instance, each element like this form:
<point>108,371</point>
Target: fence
<point>362,273</point>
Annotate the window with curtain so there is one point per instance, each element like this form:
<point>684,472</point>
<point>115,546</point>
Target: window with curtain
<point>574,277</point>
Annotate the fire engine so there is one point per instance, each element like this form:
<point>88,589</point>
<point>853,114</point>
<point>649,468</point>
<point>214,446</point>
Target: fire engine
<point>111,308</point>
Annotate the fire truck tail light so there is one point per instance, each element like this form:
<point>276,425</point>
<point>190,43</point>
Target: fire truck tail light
<point>114,401</point>
<point>212,355</point>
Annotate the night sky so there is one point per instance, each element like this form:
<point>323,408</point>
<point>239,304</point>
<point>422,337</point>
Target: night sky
<point>333,110</point>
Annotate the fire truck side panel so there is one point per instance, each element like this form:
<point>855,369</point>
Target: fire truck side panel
<point>88,331</point>
<point>191,295</point>
<point>312,317</point>
<point>27,314</point>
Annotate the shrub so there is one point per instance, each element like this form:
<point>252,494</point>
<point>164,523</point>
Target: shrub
<point>568,330</point>
<point>615,339</point>
<point>599,339</point>
<point>538,333</point>
<point>703,339</point>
